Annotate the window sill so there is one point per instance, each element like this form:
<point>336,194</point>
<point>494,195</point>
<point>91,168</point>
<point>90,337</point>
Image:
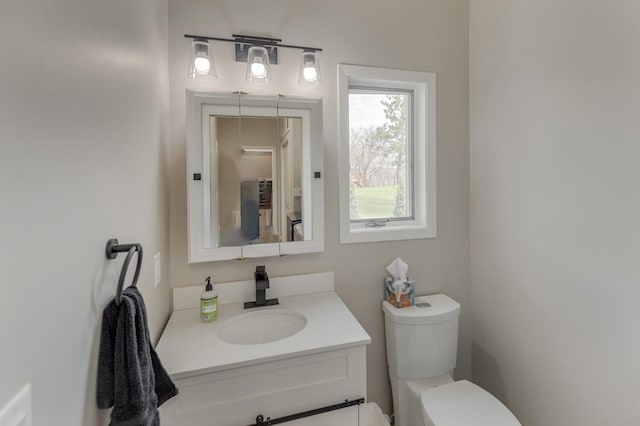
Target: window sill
<point>385,233</point>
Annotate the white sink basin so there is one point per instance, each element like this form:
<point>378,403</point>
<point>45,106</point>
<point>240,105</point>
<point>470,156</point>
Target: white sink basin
<point>254,328</point>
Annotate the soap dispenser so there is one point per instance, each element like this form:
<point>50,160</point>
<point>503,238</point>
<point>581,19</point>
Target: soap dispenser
<point>208,303</point>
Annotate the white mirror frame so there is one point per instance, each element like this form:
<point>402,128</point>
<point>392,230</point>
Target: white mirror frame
<point>199,106</point>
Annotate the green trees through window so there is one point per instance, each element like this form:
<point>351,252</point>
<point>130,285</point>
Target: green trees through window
<point>379,154</point>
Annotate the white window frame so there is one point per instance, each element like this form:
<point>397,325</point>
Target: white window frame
<point>423,118</point>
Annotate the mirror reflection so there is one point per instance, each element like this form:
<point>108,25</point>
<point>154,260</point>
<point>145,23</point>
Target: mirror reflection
<point>256,179</point>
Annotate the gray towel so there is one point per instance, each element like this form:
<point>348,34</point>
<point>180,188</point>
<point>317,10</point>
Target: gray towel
<point>131,378</point>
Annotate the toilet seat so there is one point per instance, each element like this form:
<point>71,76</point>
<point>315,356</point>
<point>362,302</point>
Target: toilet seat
<point>463,404</point>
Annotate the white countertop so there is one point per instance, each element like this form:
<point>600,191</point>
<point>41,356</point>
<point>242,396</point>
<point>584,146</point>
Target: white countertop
<point>189,347</point>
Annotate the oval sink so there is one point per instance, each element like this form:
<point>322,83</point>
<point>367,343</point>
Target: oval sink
<point>264,326</point>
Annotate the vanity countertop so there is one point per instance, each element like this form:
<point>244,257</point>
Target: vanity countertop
<point>190,347</point>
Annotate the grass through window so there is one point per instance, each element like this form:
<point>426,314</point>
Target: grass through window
<point>375,202</point>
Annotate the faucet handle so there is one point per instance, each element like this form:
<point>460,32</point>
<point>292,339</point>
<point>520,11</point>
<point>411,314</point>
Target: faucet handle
<point>261,273</point>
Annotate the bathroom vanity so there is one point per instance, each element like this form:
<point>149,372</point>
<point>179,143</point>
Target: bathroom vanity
<point>305,353</point>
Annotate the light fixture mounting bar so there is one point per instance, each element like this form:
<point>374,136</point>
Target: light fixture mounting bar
<point>255,40</point>
<point>197,37</point>
<point>275,42</point>
<point>244,42</point>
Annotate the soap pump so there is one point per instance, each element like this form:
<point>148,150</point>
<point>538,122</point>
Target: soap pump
<point>208,302</point>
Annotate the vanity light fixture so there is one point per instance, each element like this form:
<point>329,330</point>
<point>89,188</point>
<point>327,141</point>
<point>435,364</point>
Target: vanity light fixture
<point>259,53</point>
<point>201,61</point>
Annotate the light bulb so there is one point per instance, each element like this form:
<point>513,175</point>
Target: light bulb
<point>258,69</point>
<point>202,65</point>
<point>309,72</point>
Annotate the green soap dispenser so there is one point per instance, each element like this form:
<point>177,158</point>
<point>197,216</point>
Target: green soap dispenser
<point>208,303</point>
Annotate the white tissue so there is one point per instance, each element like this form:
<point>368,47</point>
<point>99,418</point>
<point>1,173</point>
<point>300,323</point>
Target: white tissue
<point>398,269</point>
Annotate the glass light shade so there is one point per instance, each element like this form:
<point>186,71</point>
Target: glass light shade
<point>310,70</point>
<point>201,63</point>
<point>258,69</point>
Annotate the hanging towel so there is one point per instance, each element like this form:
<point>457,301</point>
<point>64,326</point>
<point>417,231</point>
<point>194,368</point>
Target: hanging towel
<point>131,378</point>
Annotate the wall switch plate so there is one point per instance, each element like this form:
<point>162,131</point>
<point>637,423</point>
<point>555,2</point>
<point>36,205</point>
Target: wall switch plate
<point>17,412</point>
<point>157,270</point>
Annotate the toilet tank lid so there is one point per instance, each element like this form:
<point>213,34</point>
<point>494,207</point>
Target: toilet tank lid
<point>427,310</point>
<point>461,404</point>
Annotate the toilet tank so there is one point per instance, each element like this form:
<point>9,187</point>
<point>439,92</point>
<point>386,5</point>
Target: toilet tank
<point>422,340</point>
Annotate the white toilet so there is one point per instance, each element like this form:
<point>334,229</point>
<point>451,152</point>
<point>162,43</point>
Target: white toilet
<point>422,343</point>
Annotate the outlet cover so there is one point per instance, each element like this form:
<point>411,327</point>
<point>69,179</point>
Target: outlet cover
<point>157,270</point>
<point>17,412</point>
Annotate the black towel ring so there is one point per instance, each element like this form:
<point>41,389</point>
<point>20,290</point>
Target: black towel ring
<point>113,248</point>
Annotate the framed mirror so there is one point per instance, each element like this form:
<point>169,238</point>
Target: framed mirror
<point>254,175</point>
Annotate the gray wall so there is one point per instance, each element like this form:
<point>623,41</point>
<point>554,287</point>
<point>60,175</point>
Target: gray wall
<point>554,208</point>
<point>83,133</point>
<point>229,170</point>
<point>427,36</point>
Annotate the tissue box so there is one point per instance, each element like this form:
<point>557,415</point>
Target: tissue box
<point>407,297</point>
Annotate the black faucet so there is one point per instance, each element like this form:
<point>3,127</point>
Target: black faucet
<point>262,284</point>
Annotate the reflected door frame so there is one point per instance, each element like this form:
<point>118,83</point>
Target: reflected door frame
<point>286,181</point>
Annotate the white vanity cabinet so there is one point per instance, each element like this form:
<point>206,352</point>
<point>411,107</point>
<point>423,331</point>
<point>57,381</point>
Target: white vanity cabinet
<point>225,384</point>
<point>274,389</point>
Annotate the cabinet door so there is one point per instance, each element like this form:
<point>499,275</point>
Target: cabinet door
<point>274,389</point>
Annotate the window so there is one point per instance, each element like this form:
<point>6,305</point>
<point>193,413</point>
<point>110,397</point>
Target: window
<point>387,154</point>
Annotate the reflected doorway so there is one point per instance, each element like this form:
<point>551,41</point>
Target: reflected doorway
<point>259,187</point>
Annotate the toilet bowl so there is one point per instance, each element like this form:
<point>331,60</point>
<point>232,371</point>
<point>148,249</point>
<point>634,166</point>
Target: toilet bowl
<point>422,343</point>
<point>463,403</point>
